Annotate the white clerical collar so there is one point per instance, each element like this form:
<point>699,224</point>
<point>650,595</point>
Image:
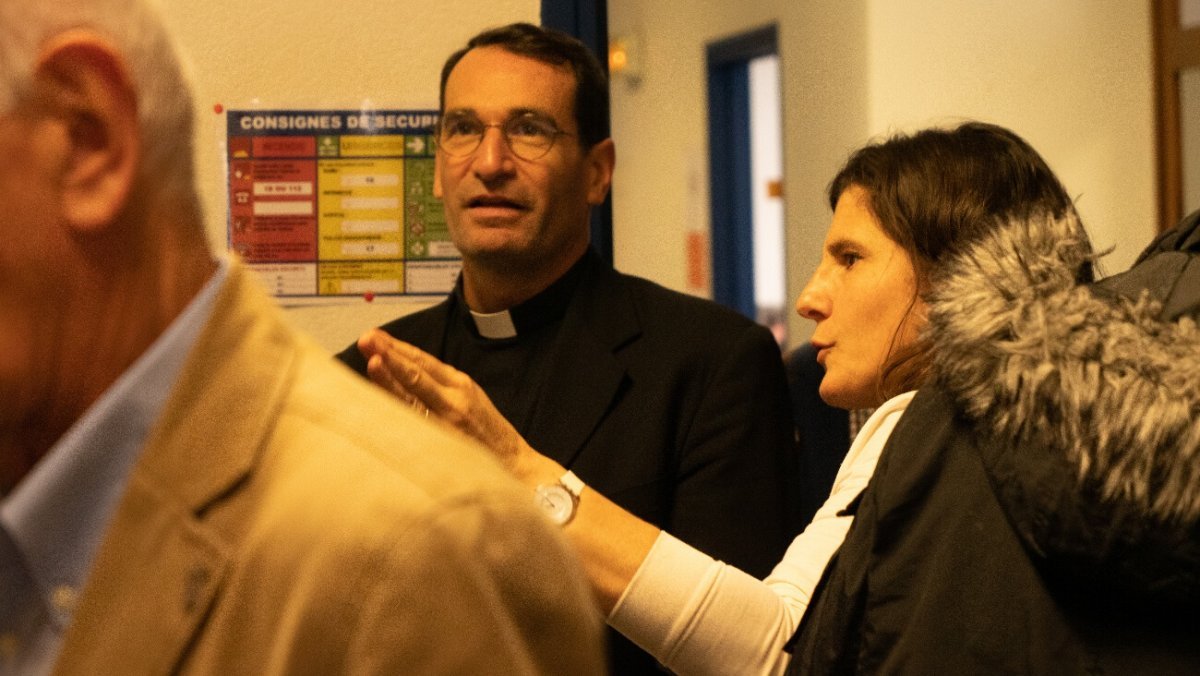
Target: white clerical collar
<point>494,325</point>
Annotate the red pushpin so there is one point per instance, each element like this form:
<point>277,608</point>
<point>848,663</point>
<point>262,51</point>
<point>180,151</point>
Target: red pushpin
<point>218,109</point>
<point>369,296</point>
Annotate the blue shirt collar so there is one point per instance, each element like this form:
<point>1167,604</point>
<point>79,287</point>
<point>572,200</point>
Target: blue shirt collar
<point>59,512</point>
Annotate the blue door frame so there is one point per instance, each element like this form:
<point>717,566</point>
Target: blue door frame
<point>730,191</point>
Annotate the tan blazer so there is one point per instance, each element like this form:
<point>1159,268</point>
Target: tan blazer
<point>287,517</point>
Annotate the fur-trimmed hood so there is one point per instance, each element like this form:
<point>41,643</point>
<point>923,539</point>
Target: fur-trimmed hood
<point>1097,381</point>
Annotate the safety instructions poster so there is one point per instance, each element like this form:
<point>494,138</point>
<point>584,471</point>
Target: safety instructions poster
<point>328,203</point>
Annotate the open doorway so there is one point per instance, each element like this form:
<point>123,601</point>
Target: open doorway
<point>746,174</point>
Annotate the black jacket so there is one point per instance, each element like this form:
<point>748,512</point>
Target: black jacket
<point>1036,509</point>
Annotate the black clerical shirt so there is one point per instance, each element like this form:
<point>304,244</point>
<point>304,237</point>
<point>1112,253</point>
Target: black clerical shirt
<point>511,368</point>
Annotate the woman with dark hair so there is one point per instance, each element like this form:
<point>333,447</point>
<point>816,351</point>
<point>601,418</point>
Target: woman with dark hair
<point>932,195</point>
<point>931,233</point>
<point>1036,510</point>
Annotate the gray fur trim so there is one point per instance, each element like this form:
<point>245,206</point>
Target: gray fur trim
<point>1045,363</point>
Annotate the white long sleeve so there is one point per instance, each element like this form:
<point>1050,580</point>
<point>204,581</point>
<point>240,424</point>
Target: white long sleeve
<point>699,616</point>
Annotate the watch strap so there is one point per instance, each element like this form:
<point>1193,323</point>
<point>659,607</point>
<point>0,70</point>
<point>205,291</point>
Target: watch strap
<point>572,483</point>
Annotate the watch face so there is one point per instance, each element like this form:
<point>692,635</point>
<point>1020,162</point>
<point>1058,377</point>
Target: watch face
<point>557,502</point>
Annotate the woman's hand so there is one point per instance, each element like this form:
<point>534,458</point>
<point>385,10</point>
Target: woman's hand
<point>426,383</point>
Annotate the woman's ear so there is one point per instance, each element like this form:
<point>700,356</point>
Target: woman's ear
<point>83,81</point>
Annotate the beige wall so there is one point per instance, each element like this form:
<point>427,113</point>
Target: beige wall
<point>298,53</point>
<point>1072,76</point>
<point>660,127</point>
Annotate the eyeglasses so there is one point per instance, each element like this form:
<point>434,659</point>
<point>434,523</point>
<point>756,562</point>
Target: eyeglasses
<point>529,135</point>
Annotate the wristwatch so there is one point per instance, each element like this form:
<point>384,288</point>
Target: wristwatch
<point>559,500</point>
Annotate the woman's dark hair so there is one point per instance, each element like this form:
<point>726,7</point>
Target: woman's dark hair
<point>938,191</point>
<point>555,48</point>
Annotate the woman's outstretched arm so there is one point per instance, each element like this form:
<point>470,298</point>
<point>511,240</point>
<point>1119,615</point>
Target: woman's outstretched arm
<point>694,614</point>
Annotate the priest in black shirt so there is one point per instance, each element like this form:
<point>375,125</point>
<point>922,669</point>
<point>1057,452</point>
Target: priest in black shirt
<point>672,406</point>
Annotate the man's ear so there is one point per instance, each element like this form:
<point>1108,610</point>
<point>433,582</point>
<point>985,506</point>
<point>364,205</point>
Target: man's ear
<point>85,84</point>
<point>601,158</point>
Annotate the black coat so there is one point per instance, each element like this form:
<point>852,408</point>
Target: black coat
<point>1037,508</point>
<point>672,406</point>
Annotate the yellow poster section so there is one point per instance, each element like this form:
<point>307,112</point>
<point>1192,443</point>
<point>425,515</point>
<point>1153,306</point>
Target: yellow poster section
<point>359,277</point>
<point>361,217</point>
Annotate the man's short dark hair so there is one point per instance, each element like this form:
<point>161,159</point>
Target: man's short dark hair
<point>556,48</point>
